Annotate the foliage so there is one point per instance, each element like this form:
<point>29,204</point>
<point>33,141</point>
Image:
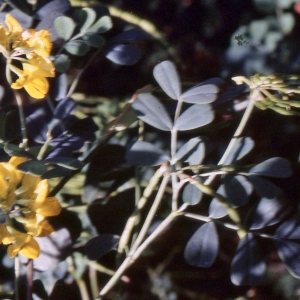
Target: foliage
<point>93,183</point>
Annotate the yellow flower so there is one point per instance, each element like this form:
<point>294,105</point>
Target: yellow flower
<point>24,197</point>
<point>31,48</point>
<point>32,77</point>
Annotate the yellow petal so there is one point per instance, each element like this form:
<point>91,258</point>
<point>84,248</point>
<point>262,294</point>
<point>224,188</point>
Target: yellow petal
<point>50,207</point>
<point>46,229</point>
<point>12,24</point>
<point>5,237</point>
<point>37,88</point>
<point>29,184</point>
<point>42,191</point>
<point>31,250</point>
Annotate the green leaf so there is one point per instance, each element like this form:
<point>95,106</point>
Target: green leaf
<point>62,63</point>
<point>186,150</point>
<point>66,162</point>
<point>167,77</point>
<point>77,47</point>
<point>64,27</point>
<point>13,150</point>
<point>94,39</point>
<point>150,110</point>
<point>33,167</point>
<point>191,194</point>
<point>102,25</point>
<point>87,17</point>
<point>195,116</point>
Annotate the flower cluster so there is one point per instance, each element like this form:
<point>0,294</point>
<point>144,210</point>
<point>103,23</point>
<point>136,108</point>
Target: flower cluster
<point>278,92</point>
<point>25,203</point>
<point>31,49</point>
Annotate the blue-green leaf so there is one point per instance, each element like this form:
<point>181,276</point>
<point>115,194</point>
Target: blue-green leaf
<point>66,162</point>
<point>87,18</point>
<point>145,154</point>
<point>217,210</point>
<point>201,94</point>
<point>202,248</point>
<point>64,27</point>
<point>289,229</point>
<point>62,63</point>
<point>273,167</point>
<point>33,167</point>
<point>195,116</point>
<point>191,194</point>
<point>166,76</point>
<point>102,25</point>
<point>186,149</point>
<point>150,110</point>
<point>123,54</point>
<point>247,267</point>
<point>94,39</point>
<point>77,47</point>
<point>263,187</point>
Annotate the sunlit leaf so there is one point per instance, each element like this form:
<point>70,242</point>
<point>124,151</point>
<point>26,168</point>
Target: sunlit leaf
<point>87,18</point>
<point>101,26</point>
<point>242,146</point>
<point>273,167</point>
<point>217,210</point>
<point>247,267</point>
<point>201,94</point>
<point>77,47</point>
<point>194,117</point>
<point>191,194</point>
<point>145,154</point>
<point>123,54</point>
<point>166,75</point>
<point>186,149</point>
<point>202,248</point>
<point>150,110</point>
<point>64,27</point>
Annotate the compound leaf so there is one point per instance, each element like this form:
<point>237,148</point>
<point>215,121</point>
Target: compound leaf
<point>64,27</point>
<point>77,47</point>
<point>202,248</point>
<point>217,210</point>
<point>242,147</point>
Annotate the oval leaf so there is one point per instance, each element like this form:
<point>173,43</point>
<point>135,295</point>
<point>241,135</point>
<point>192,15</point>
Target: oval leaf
<point>273,167</point>
<point>217,210</point>
<point>87,17</point>
<point>64,108</point>
<point>247,267</point>
<point>150,110</point>
<point>202,248</point>
<point>66,162</point>
<point>200,94</point>
<point>123,54</point>
<point>100,245</point>
<point>77,47</point>
<point>242,146</point>
<point>194,117</point>
<point>166,76</point>
<point>263,187</point>
<point>289,229</point>
<point>186,150</point>
<point>62,63</point>
<point>94,39</point>
<point>145,154</point>
<point>268,212</point>
<point>130,35</point>
<point>191,194</point>
<point>32,167</point>
<point>237,189</point>
<point>64,27</point>
<point>102,25</point>
<point>289,251</point>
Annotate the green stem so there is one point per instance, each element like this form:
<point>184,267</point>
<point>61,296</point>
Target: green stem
<point>44,148</point>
